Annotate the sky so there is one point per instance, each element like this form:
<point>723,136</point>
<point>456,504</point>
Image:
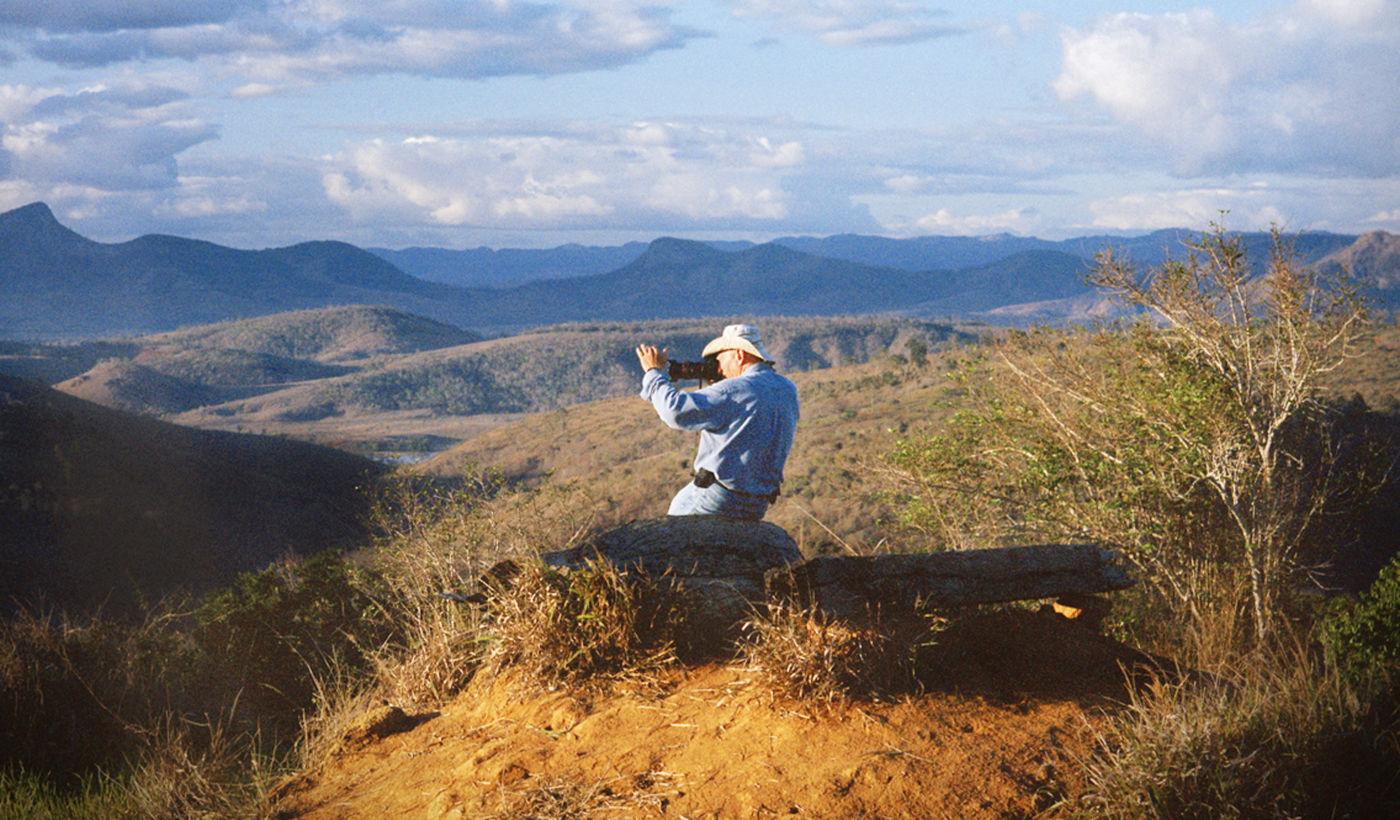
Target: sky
<point>259,123</point>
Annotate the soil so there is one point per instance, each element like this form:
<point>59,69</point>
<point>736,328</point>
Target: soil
<point>1008,702</point>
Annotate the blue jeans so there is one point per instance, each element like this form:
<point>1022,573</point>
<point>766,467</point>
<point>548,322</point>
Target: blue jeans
<point>716,500</point>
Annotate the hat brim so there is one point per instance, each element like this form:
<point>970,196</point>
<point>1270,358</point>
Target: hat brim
<point>722,343</point>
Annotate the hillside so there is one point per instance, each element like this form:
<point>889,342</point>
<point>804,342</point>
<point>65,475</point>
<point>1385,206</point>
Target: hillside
<point>849,414</point>
<point>379,379</point>
<point>1374,259</point>
<point>100,508</point>
<point>335,334</point>
<point>57,284</point>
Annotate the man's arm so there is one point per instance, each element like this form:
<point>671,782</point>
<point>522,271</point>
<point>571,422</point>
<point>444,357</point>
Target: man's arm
<point>701,410</point>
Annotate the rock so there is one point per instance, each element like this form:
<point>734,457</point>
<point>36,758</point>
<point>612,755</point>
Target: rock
<point>851,586</point>
<point>719,562</point>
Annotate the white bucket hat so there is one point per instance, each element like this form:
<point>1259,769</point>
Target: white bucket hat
<point>738,337</point>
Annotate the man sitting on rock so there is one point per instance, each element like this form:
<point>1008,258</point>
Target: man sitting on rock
<point>746,423</point>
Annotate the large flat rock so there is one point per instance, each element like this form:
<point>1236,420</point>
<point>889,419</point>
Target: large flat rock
<point>850,586</point>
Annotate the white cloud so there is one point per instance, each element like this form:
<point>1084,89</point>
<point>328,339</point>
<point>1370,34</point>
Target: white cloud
<point>1306,89</point>
<point>662,172</point>
<point>1247,208</point>
<point>117,137</point>
<point>852,22</point>
<point>304,41</point>
<point>944,221</point>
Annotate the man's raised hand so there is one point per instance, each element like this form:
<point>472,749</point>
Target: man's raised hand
<point>649,357</point>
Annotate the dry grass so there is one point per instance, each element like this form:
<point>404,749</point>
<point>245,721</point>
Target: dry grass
<point>567,627</point>
<point>802,655</point>
<point>444,540</point>
<point>1274,733</point>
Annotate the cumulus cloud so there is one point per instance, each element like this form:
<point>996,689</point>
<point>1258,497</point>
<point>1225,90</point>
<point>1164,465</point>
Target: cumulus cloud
<point>944,221</point>
<point>118,137</point>
<point>853,22</point>
<point>1305,89</point>
<point>662,172</point>
<point>312,40</point>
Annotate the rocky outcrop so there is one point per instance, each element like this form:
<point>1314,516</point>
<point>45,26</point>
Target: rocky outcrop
<point>852,586</point>
<point>731,568</point>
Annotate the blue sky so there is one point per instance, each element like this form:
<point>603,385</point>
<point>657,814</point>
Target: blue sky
<point>384,122</point>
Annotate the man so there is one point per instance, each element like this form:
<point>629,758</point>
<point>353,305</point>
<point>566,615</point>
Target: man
<point>746,423</point>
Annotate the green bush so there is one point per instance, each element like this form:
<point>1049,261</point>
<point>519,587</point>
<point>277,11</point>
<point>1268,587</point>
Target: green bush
<point>1364,635</point>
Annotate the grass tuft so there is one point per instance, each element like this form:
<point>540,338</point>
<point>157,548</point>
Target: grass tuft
<point>566,626</point>
<point>802,655</point>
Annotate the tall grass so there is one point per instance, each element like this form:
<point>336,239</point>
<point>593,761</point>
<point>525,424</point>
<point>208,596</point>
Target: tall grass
<point>1274,733</point>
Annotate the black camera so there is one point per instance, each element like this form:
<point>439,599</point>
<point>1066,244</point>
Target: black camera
<point>706,370</point>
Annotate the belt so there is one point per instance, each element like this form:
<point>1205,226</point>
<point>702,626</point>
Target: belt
<point>704,478</point>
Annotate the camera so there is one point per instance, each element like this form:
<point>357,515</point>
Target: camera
<point>707,370</point>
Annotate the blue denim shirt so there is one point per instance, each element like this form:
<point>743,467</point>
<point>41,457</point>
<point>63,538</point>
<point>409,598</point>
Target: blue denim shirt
<point>746,424</point>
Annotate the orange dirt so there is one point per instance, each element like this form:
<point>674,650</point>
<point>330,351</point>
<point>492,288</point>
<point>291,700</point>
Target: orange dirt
<point>1008,706</point>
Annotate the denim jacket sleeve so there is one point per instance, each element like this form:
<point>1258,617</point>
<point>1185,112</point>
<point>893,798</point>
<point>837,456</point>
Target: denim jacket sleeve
<point>709,409</point>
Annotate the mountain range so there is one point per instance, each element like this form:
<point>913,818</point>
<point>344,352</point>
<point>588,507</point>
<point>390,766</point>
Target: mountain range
<point>56,284</point>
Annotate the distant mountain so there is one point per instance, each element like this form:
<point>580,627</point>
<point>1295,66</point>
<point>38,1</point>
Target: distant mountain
<point>488,268</point>
<point>102,508</point>
<point>509,267</point>
<point>1374,259</point>
<point>57,284</point>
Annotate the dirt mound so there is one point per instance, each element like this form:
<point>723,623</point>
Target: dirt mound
<point>1008,704</point>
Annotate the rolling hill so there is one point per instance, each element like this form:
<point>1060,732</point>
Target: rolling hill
<point>103,508</point>
<point>551,369</point>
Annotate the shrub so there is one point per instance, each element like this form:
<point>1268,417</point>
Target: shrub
<point>1197,443</point>
<point>76,694</point>
<point>1364,635</point>
<point>272,632</point>
<point>1276,735</point>
<point>564,626</point>
<point>802,655</point>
